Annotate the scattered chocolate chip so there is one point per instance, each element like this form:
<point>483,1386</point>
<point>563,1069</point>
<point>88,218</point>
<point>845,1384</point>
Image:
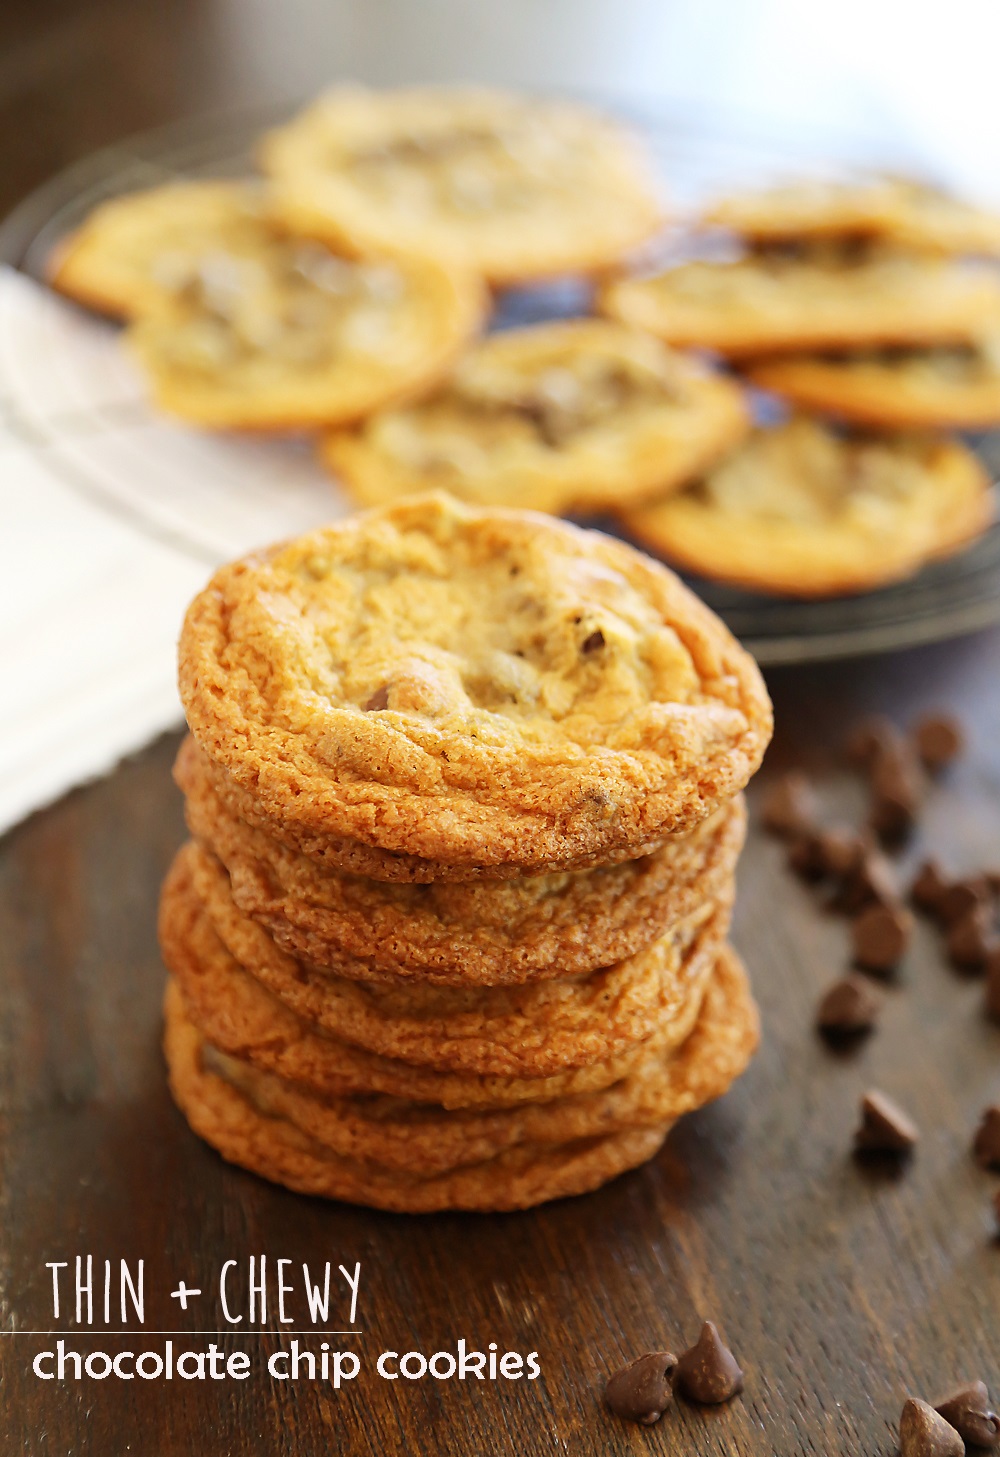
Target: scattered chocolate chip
<point>594,642</point>
<point>968,1410</point>
<point>851,1005</point>
<point>872,881</point>
<point>923,1433</point>
<point>884,1127</point>
<point>986,1144</point>
<point>970,940</point>
<point>805,856</point>
<point>708,1372</point>
<point>880,935</point>
<point>929,887</point>
<point>872,737</point>
<point>959,897</point>
<point>641,1391</point>
<point>378,700</point>
<point>789,807</point>
<point>841,851</point>
<point>993,984</point>
<point>896,793</point>
<point>939,738</point>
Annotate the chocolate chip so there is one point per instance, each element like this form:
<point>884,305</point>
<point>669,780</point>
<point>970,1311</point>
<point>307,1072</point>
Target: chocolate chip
<point>996,1207</point>
<point>841,851</point>
<point>594,642</point>
<point>378,700</point>
<point>789,807</point>
<point>872,881</point>
<point>959,897</point>
<point>708,1372</point>
<point>880,935</point>
<point>993,984</point>
<point>968,1410</point>
<point>884,1128</point>
<point>805,856</point>
<point>850,1005</point>
<point>927,890</point>
<point>896,794</point>
<point>970,940</point>
<point>641,1391</point>
<point>871,737</point>
<point>986,1144</point>
<point>922,1433</point>
<point>939,738</point>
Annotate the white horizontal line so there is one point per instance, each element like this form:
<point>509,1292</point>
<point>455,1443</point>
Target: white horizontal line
<point>141,1331</point>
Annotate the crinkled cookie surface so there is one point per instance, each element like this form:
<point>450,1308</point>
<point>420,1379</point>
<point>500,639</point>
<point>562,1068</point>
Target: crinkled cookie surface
<point>471,686</point>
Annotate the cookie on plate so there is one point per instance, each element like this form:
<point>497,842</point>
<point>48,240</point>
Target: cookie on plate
<point>290,336</point>
<point>509,187</point>
<point>805,511</point>
<point>133,249</point>
<point>475,688</point>
<point>928,217</point>
<point>806,296</point>
<point>805,208</point>
<point>906,212</point>
<point>555,417</point>
<point>951,387</point>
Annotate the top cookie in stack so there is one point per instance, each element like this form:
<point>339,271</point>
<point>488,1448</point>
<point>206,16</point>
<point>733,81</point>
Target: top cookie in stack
<point>434,691</point>
<point>464,791</point>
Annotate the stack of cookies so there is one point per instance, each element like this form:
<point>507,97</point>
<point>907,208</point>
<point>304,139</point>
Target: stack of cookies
<point>464,794</point>
<point>873,305</point>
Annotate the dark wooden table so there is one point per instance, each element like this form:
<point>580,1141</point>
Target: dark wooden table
<point>841,1288</point>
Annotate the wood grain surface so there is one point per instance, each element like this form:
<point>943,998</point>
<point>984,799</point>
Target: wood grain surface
<point>841,1288</point>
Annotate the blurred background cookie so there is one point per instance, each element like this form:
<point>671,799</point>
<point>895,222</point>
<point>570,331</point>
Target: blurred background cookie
<point>805,510</point>
<point>134,248</point>
<point>896,208</point>
<point>953,386</point>
<point>836,293</point>
<point>511,187</point>
<point>578,415</point>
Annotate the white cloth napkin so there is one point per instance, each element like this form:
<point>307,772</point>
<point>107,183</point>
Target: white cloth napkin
<point>111,518</point>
